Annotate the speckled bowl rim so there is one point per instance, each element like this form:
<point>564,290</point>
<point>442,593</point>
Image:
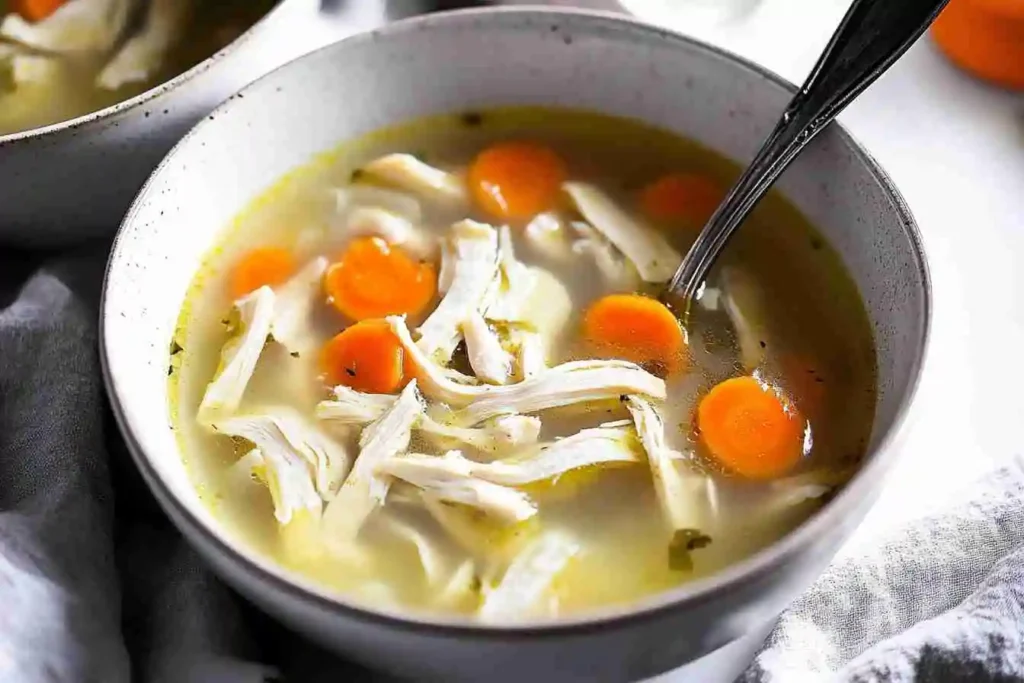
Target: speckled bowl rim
<point>267,575</point>
<point>156,91</point>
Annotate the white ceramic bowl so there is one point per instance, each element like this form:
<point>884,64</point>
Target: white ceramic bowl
<point>480,59</point>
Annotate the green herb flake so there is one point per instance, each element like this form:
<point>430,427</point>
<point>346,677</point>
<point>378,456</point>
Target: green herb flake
<point>472,119</point>
<point>683,543</point>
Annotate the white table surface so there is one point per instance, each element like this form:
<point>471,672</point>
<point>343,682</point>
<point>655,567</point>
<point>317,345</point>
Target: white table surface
<point>955,149</point>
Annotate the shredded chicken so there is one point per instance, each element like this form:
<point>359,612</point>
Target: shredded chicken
<point>288,478</point>
<point>489,360</point>
<point>431,557</point>
<point>745,307</point>
<point>587,448</point>
<point>363,490</point>
<point>394,229</point>
<point>475,246</point>
<point>529,577</point>
<point>255,313</point>
<point>78,26</point>
<point>35,70</point>
<point>512,286</point>
<point>409,173</point>
<point>616,270</point>
<point>446,274</point>
<point>283,433</point>
<point>547,236</point>
<point>349,199</point>
<point>462,585</point>
<point>655,259</point>
<point>680,496</point>
<point>531,354</point>
<point>144,54</point>
<point>448,478</point>
<point>351,407</point>
<point>494,436</point>
<point>566,384</point>
<point>292,326</point>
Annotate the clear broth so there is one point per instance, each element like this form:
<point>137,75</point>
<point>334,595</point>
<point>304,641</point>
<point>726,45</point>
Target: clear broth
<point>814,310</point>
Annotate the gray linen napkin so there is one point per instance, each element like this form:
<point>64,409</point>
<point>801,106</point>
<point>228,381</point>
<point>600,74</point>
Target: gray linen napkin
<point>95,584</point>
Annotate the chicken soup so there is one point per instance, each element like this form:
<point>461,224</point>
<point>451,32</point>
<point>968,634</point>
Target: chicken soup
<point>430,371</point>
<point>60,59</point>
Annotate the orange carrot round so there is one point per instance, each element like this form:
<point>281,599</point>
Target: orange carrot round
<point>685,198</point>
<point>516,180</point>
<point>367,357</point>
<point>268,266</point>
<point>749,429</point>
<point>637,328</point>
<point>36,10</point>
<point>373,280</point>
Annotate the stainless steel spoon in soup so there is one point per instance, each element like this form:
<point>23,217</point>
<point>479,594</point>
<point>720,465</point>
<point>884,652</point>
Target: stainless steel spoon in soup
<point>872,35</point>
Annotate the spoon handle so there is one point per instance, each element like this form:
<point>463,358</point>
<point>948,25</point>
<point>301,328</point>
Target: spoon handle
<point>872,35</point>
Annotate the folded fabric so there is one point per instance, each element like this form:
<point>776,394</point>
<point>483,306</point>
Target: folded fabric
<point>941,599</point>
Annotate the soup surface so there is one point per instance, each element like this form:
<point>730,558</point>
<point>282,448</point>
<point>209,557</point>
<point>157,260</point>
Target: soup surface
<point>428,371</point>
<point>60,59</point>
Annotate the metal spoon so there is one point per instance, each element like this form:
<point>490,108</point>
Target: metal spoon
<point>872,35</point>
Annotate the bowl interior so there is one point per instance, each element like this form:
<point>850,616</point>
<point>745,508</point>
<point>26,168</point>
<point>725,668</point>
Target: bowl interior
<point>475,60</point>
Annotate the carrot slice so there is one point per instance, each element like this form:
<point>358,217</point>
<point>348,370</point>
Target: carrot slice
<point>516,180</point>
<point>36,10</point>
<point>367,357</point>
<point>685,198</point>
<point>636,328</point>
<point>268,266</point>
<point>373,280</point>
<point>749,429</point>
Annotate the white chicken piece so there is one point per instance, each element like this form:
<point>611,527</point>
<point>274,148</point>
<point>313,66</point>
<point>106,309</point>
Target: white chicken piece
<point>409,173</point>
<point>746,309</point>
<point>238,357</point>
<point>145,53</point>
<point>546,235</point>
<point>512,286</point>
<point>76,26</point>
<point>587,448</point>
<point>590,447</point>
<point>35,70</point>
<point>531,354</point>
<point>491,363</point>
<point>446,273</point>
<point>682,497</point>
<point>447,478</point>
<point>493,436</point>
<point>363,490</point>
<point>351,407</point>
<point>655,259</point>
<point>475,249</point>
<point>461,585</point>
<point>566,384</point>
<point>289,481</point>
<point>350,198</point>
<point>282,434</point>
<point>529,577</point>
<point>396,230</point>
<point>292,326</point>
<point>616,270</point>
<point>431,557</point>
